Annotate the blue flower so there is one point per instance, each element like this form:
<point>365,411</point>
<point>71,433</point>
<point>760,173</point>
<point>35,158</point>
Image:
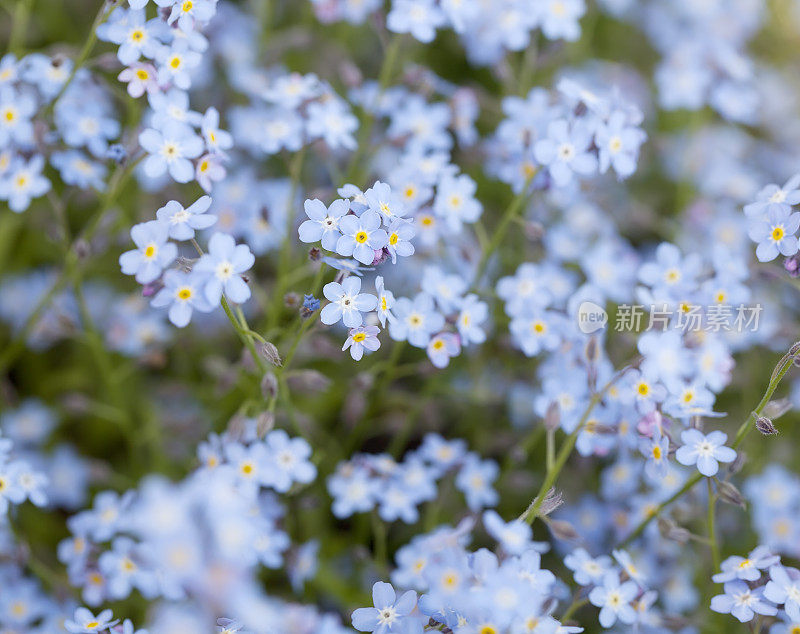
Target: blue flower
<point>388,613</point>
<point>619,144</point>
<point>655,450</point>
<point>310,303</point>
<point>332,122</point>
<point>224,265</point>
<point>442,347</point>
<point>385,301</point>
<point>84,622</point>
<point>586,569</point>
<point>182,222</point>
<point>400,233</point>
<point>382,200</point>
<point>183,293</point>
<point>135,36</point>
<point>746,568</point>
<point>421,18</point>
<point>614,600</point>
<point>153,252</point>
<point>361,236</point>
<point>775,234</point>
<point>347,303</point>
<point>742,601</point>
<point>783,586</point>
<point>170,150</point>
<point>77,170</point>
<point>323,222</point>
<point>475,480</point>
<point>16,110</point>
<point>565,151</point>
<point>773,196</point>
<point>415,321</point>
<point>361,339</point>
<point>706,451</point>
<point>23,182</point>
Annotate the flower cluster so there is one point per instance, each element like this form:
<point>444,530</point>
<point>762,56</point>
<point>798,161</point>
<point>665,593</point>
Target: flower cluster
<point>571,135</point>
<point>367,482</point>
<point>487,32</point>
<point>557,201</point>
<point>226,513</point>
<point>201,287</point>
<point>746,594</point>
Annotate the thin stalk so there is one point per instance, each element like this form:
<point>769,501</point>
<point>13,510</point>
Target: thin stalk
<point>241,327</point>
<point>573,607</point>
<point>566,449</point>
<point>368,124</point>
<point>22,15</point>
<point>712,535</point>
<point>102,15</point>
<point>295,172</point>
<point>509,214</point>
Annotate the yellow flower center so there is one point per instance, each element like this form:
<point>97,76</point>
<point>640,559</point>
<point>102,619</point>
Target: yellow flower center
<point>362,237</point>
<point>393,239</point>
<point>150,251</point>
<point>657,452</point>
<point>185,293</point>
<point>142,74</point>
<point>777,234</point>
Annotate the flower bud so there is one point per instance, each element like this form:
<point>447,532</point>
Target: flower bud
<point>264,423</point>
<point>269,385</point>
<point>271,354</point>
<point>670,530</point>
<point>552,417</point>
<point>563,530</point>
<point>730,494</point>
<point>765,426</point>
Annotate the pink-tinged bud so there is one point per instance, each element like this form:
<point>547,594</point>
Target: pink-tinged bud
<point>381,255</point>
<point>649,423</point>
<point>148,290</point>
<point>792,266</point>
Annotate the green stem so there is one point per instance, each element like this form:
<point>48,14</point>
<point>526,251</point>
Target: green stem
<point>566,449</point>
<point>573,607</point>
<point>22,14</point>
<point>712,535</point>
<point>295,172</point>
<point>368,123</point>
<point>509,214</point>
<point>550,455</point>
<point>239,325</point>
<point>17,344</point>
<point>379,541</point>
<point>102,15</point>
